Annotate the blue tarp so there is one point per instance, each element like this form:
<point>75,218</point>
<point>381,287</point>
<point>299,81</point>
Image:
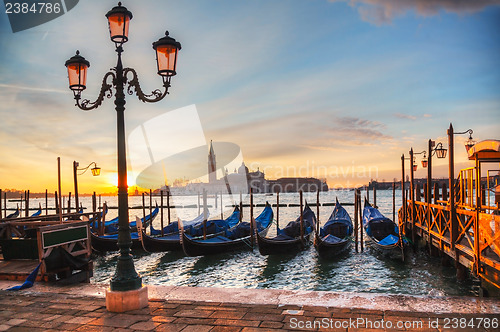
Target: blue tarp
<point>293,228</point>
<point>338,216</point>
<point>174,227</point>
<point>332,239</point>
<point>389,240</point>
<point>29,281</point>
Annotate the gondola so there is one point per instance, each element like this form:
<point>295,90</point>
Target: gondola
<point>384,233</point>
<point>111,226</point>
<point>14,214</point>
<point>237,238</point>
<point>289,239</point>
<point>170,241</point>
<point>38,212</point>
<point>335,237</point>
<point>108,242</point>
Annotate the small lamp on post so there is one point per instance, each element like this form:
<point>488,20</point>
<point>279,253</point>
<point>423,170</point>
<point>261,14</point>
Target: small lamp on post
<point>96,171</point>
<point>470,142</point>
<point>440,151</point>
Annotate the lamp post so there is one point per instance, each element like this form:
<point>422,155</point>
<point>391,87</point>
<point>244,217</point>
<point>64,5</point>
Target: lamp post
<point>440,153</point>
<point>451,172</point>
<point>403,193</point>
<point>96,171</point>
<point>125,283</point>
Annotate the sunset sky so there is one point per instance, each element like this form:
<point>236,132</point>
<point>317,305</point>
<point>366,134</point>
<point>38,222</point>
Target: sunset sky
<point>336,89</point>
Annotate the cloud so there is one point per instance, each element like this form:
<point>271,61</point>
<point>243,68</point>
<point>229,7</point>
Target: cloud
<point>405,116</point>
<point>381,12</point>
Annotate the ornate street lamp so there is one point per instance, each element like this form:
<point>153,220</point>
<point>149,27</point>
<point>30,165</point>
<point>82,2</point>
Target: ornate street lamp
<point>125,281</point>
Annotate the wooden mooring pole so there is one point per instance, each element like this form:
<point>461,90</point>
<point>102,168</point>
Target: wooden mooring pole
<point>161,211</point>
<point>317,212</point>
<point>27,205</point>
<point>301,220</point>
<point>168,206</point>
<point>150,211</point>
<point>221,207</point>
<point>356,222</point>
<point>46,202</point>
<point>59,187</point>
<point>412,198</point>
<point>241,206</point>
<point>394,200</point>
<point>252,237</point>
<point>360,216</point>
<point>143,208</point>
<point>5,204</point>
<point>277,211</point>
<point>204,214</point>
<point>374,196</point>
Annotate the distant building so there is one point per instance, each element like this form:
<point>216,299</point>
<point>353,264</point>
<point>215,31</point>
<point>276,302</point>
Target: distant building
<point>242,180</point>
<point>212,167</point>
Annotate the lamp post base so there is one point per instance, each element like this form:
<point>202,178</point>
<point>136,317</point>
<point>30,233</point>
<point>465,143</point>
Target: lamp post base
<point>121,301</point>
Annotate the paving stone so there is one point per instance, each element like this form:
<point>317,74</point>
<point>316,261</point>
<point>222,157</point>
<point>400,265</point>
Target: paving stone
<point>117,321</point>
<point>21,329</point>
<point>194,313</point>
<point>144,326</point>
<point>263,317</point>
<point>80,320</point>
<point>169,327</point>
<point>272,325</point>
<point>4,327</point>
<point>196,321</point>
<point>226,329</point>
<point>237,322</point>
<point>69,327</point>
<point>228,314</point>
<point>255,329</point>
<point>162,319</point>
<point>197,328</point>
<point>15,321</point>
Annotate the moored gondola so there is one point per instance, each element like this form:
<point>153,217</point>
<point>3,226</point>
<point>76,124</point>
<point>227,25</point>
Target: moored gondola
<point>234,239</point>
<point>384,233</point>
<point>171,241</point>
<point>335,237</point>
<point>108,242</point>
<point>291,239</point>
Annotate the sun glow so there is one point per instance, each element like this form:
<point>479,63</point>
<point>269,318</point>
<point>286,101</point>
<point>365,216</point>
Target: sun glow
<point>113,179</point>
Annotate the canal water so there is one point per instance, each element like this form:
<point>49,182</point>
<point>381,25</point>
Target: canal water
<point>354,272</point>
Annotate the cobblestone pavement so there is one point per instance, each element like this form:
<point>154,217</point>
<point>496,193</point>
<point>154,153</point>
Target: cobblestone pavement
<point>55,311</point>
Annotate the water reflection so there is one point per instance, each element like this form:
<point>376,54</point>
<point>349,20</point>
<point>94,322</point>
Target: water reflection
<point>354,272</point>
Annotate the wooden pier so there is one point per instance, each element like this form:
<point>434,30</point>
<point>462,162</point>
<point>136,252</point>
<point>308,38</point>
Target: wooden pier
<point>467,230</point>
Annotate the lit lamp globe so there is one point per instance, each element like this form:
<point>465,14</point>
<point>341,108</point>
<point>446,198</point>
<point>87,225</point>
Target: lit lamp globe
<point>118,21</point>
<point>96,171</point>
<point>424,162</point>
<point>470,143</point>
<point>77,73</point>
<point>441,151</point>
<point>166,56</point>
